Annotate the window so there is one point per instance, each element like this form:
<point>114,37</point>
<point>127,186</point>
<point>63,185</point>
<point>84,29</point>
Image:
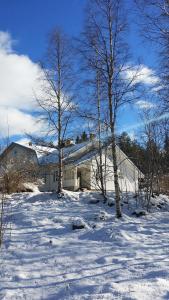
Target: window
<point>15,152</point>
<point>55,176</point>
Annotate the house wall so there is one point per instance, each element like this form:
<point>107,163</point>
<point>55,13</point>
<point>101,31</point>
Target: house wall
<point>127,171</point>
<point>19,154</point>
<point>48,183</point>
<point>49,177</point>
<point>70,180</point>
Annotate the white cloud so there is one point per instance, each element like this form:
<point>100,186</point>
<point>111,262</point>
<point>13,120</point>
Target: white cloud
<point>142,104</point>
<point>19,80</point>
<point>142,74</point>
<point>5,42</point>
<point>18,122</point>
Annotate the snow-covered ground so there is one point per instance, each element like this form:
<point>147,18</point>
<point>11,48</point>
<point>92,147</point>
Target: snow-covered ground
<point>43,258</point>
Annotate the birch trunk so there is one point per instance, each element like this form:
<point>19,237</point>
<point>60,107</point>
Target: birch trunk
<point>99,133</point>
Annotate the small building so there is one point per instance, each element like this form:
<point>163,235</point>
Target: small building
<point>80,165</point>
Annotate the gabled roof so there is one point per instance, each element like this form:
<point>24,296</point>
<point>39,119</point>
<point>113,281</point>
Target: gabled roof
<point>75,154</point>
<point>49,155</point>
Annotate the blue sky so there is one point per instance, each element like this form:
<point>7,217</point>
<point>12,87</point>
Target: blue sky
<point>24,26</point>
<point>30,21</point>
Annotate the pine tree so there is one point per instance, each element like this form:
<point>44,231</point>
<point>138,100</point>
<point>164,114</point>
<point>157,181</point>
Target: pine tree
<point>84,136</point>
<point>77,140</point>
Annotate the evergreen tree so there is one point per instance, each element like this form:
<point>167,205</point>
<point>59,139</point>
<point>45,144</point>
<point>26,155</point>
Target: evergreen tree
<point>84,136</point>
<point>77,140</point>
<point>133,150</point>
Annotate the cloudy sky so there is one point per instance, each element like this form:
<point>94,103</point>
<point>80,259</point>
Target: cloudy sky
<point>24,26</point>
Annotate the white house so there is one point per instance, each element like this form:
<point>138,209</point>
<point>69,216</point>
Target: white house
<point>80,167</point>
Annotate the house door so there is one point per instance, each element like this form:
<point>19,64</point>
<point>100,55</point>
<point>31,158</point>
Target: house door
<point>79,178</point>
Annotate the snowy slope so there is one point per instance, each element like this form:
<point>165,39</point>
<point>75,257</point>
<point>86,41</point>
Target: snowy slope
<point>43,258</point>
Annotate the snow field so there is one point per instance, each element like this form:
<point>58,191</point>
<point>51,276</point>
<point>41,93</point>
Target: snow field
<point>43,258</point>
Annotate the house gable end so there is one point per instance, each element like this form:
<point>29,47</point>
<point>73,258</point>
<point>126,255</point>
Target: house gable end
<point>16,150</point>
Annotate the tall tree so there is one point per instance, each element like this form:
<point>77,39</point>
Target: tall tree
<point>57,102</point>
<point>101,166</point>
<point>106,52</point>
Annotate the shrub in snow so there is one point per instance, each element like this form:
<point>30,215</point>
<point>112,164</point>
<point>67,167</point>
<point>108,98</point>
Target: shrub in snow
<point>110,202</point>
<point>57,220</point>
<point>79,223</point>
<point>139,213</point>
<point>102,216</point>
<point>15,172</point>
<point>94,201</point>
<point>60,195</point>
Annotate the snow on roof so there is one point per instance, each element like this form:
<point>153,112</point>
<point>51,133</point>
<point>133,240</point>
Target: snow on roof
<point>84,158</point>
<point>49,155</point>
<point>40,150</point>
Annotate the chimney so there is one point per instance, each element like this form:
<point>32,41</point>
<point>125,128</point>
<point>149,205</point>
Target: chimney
<point>30,144</point>
<point>68,142</point>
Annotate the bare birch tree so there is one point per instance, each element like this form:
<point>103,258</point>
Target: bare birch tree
<point>58,93</point>
<point>105,50</point>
